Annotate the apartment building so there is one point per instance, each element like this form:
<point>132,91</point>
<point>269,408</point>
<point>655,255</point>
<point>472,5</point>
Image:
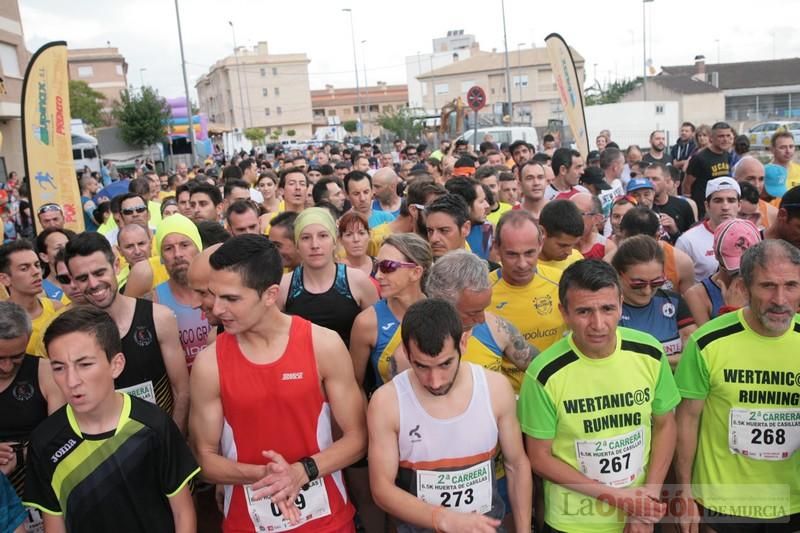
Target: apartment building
<point>334,106</point>
<point>103,69</point>
<point>14,59</point>
<point>255,89</point>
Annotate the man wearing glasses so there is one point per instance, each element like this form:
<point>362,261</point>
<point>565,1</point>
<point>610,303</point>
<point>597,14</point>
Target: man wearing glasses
<point>28,396</point>
<point>50,216</point>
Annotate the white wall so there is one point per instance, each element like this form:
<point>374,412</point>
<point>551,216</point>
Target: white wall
<point>632,122</point>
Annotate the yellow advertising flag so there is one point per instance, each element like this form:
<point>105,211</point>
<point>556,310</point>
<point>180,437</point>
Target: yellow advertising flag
<point>46,135</point>
<point>570,89</point>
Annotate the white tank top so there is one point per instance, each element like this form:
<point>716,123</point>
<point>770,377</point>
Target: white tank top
<point>449,462</point>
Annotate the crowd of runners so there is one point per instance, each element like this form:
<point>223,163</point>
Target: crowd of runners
<point>424,339</point>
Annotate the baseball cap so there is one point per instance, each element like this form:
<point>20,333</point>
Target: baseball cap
<point>775,180</point>
<point>594,176</point>
<point>731,239</point>
<point>724,183</point>
<point>636,184</point>
<point>594,155</point>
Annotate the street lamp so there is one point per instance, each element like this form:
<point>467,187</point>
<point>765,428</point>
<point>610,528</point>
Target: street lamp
<point>366,84</point>
<point>141,77</point>
<point>238,76</point>
<point>519,77</point>
<point>355,69</point>
<point>186,84</point>
<point>644,49</point>
<point>505,44</point>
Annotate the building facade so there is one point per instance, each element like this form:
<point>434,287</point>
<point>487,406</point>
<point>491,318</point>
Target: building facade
<point>256,89</point>
<point>333,107</point>
<point>698,102</point>
<point>103,69</point>
<point>455,46</point>
<point>534,97</point>
<point>754,90</point>
<point>14,59</point>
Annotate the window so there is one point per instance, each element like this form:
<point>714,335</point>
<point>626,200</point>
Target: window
<point>266,111</point>
<point>493,91</point>
<point>331,112</point>
<point>85,72</point>
<point>264,92</point>
<point>76,154</point>
<point>442,88</point>
<point>373,108</point>
<point>388,108</point>
<point>355,109</point>
<point>9,61</point>
<point>659,110</point>
<point>278,110</point>
<point>277,91</point>
<point>119,70</point>
<point>274,71</point>
<point>520,81</point>
<point>263,72</point>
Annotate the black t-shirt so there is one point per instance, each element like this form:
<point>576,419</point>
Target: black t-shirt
<point>706,165</point>
<point>118,481</point>
<point>666,158</point>
<point>678,209</point>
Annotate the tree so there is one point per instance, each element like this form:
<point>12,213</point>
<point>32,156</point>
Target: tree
<point>350,126</point>
<point>291,133</point>
<point>402,123</point>
<point>85,103</point>
<point>255,135</point>
<point>141,116</point>
<point>612,93</point>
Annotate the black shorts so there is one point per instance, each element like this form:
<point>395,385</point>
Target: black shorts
<point>723,523</point>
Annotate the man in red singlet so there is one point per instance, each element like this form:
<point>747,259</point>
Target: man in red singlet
<point>264,398</point>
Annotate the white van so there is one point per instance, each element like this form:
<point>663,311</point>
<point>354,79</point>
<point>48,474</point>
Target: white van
<point>85,153</point>
<point>504,134</point>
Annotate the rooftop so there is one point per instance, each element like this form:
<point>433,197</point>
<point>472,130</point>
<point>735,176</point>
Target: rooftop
<point>746,74</point>
<point>483,61</point>
<point>684,84</point>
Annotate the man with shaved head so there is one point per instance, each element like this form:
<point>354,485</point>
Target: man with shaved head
<point>384,184</point>
<point>750,170</point>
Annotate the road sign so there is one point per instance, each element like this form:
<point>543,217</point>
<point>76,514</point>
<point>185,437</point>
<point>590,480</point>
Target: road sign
<point>476,98</point>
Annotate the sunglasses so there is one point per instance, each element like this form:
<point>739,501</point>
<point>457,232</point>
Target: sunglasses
<point>46,208</point>
<point>642,283</point>
<point>64,279</point>
<point>128,211</point>
<point>387,266</point>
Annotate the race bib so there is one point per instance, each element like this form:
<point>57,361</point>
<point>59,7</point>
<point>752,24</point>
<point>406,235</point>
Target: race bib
<point>312,504</point>
<point>465,491</point>
<point>765,434</point>
<point>615,461</point>
<point>33,521</point>
<point>145,391</point>
<point>673,347</point>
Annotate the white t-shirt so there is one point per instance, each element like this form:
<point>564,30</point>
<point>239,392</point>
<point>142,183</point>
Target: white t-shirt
<point>698,242</point>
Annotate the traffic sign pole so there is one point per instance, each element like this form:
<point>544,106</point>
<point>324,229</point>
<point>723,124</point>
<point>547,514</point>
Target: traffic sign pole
<point>476,100</point>
<point>475,135</point>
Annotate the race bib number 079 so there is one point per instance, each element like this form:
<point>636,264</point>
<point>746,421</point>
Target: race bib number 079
<point>764,434</point>
<point>266,516</point>
<point>465,491</point>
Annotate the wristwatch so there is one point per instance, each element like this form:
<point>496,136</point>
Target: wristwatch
<point>310,466</point>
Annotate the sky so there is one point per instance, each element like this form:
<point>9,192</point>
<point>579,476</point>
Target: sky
<point>610,39</point>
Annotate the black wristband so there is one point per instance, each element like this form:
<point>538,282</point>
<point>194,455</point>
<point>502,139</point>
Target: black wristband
<point>312,472</point>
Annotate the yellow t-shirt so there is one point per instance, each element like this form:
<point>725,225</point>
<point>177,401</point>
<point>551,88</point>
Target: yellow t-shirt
<point>160,273</point>
<point>792,175</point>
<point>377,235</point>
<point>494,217</point>
<point>564,263</point>
<point>39,325</point>
<point>532,309</point>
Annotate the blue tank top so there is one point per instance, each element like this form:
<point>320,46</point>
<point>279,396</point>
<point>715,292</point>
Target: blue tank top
<point>715,295</point>
<point>662,318</point>
<point>51,290</point>
<point>193,326</point>
<point>388,324</point>
<point>480,240</point>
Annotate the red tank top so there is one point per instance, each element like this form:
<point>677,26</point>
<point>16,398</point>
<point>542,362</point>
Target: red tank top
<point>278,406</point>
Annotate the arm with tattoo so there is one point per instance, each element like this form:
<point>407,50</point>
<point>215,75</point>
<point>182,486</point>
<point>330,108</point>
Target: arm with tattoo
<point>515,347</point>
